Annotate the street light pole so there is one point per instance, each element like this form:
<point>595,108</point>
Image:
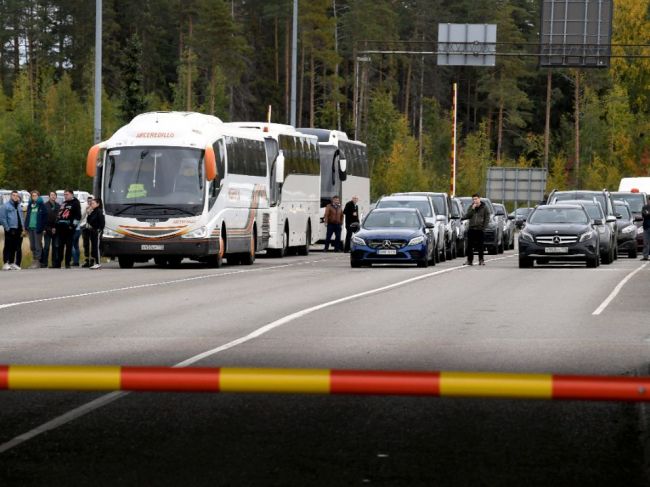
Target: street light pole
<point>98,72</point>
<point>294,62</point>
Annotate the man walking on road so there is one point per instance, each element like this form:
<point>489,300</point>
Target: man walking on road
<point>334,221</point>
<point>11,218</point>
<point>35,222</point>
<point>645,212</point>
<point>479,217</point>
<point>351,212</point>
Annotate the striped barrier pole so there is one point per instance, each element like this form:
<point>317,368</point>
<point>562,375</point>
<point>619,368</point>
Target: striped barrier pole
<point>325,381</point>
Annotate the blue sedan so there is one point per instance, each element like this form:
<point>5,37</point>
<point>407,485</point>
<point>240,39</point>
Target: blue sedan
<point>393,235</point>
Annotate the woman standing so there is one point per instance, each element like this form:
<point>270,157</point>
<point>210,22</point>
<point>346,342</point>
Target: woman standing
<point>95,226</point>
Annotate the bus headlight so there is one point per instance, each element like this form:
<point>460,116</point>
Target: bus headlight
<point>108,233</point>
<point>201,232</point>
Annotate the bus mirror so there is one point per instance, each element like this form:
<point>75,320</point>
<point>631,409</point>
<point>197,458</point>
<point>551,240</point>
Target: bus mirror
<point>279,168</point>
<point>91,161</point>
<point>343,165</point>
<point>210,162</point>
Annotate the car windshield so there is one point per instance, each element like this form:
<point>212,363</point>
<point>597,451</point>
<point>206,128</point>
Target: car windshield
<point>600,197</point>
<point>624,211</point>
<point>635,200</point>
<point>422,205</point>
<point>154,181</point>
<point>558,215</point>
<point>392,219</point>
<point>522,211</point>
<point>499,210</point>
<point>594,212</point>
<point>439,204</point>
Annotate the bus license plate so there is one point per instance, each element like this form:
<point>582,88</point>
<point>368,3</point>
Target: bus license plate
<point>152,247</point>
<point>557,250</point>
<point>387,252</point>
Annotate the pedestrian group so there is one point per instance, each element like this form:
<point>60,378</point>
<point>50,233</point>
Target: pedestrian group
<point>53,229</point>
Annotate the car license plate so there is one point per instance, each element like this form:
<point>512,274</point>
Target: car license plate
<point>152,247</point>
<point>557,250</point>
<point>387,252</point>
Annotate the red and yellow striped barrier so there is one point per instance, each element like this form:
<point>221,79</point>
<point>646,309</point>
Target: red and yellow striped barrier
<point>324,381</point>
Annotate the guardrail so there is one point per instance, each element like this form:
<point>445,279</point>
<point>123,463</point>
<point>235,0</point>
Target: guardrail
<point>324,381</point>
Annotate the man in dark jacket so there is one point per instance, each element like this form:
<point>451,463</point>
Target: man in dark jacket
<point>351,212</point>
<point>50,237</point>
<point>479,218</point>
<point>645,213</point>
<point>66,224</point>
<point>35,225</point>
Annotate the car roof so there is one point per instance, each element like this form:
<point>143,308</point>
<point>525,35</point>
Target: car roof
<point>405,197</point>
<point>562,205</point>
<point>391,210</point>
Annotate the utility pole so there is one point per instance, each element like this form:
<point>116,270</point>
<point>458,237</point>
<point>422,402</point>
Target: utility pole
<point>98,72</point>
<point>547,126</point>
<point>294,62</point>
<point>577,128</point>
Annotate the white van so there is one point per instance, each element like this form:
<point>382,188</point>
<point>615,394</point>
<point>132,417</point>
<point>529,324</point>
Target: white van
<point>636,185</point>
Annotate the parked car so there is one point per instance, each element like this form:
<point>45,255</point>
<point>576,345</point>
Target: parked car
<point>442,205</point>
<point>603,197</point>
<point>627,230</point>
<point>559,232</point>
<point>494,242</point>
<point>461,227</point>
<point>425,205</point>
<point>607,237</point>
<point>636,200</point>
<point>520,215</point>
<point>508,226</point>
<point>393,235</point>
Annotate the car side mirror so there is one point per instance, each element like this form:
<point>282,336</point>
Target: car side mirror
<point>610,219</point>
<point>355,227</point>
<point>430,225</point>
<point>638,218</point>
<point>619,216</point>
<point>511,217</point>
<point>279,168</point>
<point>598,221</point>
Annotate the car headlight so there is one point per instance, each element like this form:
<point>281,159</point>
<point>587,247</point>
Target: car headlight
<point>416,240</point>
<point>587,236</point>
<point>358,240</point>
<point>524,235</point>
<point>108,233</point>
<point>629,229</point>
<point>201,232</point>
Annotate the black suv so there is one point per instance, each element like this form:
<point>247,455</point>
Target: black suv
<point>636,202</point>
<point>559,232</point>
<point>603,197</point>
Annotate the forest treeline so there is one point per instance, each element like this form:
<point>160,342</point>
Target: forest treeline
<point>231,58</point>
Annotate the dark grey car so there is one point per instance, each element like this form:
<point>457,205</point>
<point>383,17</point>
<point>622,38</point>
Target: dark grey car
<point>508,226</point>
<point>627,229</point>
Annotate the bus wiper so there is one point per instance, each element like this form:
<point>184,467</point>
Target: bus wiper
<point>128,206</point>
<point>173,208</point>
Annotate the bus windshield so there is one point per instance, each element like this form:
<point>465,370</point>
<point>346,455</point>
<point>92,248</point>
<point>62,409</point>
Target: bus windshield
<point>154,181</point>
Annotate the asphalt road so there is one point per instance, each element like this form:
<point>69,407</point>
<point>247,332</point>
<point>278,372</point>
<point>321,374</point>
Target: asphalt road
<point>492,318</point>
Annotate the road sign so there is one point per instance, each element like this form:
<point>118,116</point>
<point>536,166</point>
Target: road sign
<point>467,44</point>
<point>516,184</point>
<point>576,33</point>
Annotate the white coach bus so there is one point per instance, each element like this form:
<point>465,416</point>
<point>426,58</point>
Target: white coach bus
<point>344,171</point>
<point>294,187</point>
<point>182,185</point>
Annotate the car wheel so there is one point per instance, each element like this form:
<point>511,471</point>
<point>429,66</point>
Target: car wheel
<point>355,263</point>
<point>449,251</point>
<point>423,263</point>
<point>607,257</point>
<point>443,254</point>
<point>461,250</point>
<point>492,250</point>
<point>592,262</point>
<point>500,247</point>
<point>632,254</point>
<point>525,262</point>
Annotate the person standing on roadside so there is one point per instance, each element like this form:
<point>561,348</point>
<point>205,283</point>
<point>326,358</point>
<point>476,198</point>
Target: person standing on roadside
<point>11,218</point>
<point>94,228</point>
<point>50,238</point>
<point>66,224</point>
<point>645,213</point>
<point>479,217</point>
<point>85,233</point>
<point>351,212</point>
<point>334,221</point>
<point>35,222</point>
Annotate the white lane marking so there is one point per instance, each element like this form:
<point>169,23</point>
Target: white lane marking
<point>616,290</point>
<point>155,284</point>
<point>113,396</point>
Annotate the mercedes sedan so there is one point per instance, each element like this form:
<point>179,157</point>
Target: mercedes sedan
<point>559,232</point>
<point>393,235</point>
